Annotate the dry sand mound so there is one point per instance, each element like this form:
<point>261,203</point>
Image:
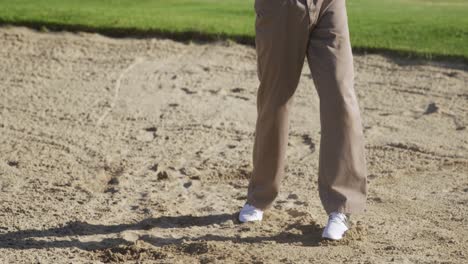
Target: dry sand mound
<point>126,150</point>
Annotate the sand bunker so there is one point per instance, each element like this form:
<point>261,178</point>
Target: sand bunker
<point>116,150</point>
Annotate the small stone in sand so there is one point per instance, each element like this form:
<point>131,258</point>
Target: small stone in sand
<point>13,163</point>
<point>431,108</point>
<point>154,167</point>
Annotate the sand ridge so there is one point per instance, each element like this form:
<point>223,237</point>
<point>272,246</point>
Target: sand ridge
<point>139,151</point>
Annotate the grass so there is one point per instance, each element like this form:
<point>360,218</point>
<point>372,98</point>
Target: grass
<point>422,28</point>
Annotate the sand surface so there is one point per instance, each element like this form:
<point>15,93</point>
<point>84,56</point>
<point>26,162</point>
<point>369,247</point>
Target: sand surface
<point>139,150</point>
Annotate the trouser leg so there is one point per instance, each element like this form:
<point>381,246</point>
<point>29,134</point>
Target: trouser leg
<point>281,43</point>
<point>342,168</point>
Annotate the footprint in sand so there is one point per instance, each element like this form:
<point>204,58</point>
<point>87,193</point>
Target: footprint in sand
<point>147,134</point>
<point>306,139</point>
<point>187,91</point>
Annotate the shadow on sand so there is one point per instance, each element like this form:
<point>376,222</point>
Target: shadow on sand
<point>34,239</point>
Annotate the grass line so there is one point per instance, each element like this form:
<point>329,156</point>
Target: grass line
<point>428,29</point>
<point>134,32</point>
<point>186,36</point>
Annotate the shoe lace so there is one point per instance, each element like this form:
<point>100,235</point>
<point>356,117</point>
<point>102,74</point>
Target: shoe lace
<point>252,209</point>
<point>338,218</point>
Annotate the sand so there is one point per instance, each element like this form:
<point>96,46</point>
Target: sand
<point>139,151</point>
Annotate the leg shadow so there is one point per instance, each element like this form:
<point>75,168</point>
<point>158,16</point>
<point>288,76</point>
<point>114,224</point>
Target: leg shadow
<point>27,239</point>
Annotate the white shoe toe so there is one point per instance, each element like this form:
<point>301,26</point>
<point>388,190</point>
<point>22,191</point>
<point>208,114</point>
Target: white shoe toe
<point>336,227</point>
<point>249,214</point>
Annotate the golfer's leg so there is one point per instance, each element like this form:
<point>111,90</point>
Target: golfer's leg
<point>342,168</point>
<point>281,43</point>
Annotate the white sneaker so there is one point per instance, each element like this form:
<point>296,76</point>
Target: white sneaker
<point>249,213</point>
<point>336,227</point>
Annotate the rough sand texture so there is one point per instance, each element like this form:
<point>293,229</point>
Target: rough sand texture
<point>140,150</point>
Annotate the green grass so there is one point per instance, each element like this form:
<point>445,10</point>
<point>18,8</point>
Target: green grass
<point>424,28</point>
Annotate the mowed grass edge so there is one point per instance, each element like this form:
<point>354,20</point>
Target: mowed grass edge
<point>419,28</point>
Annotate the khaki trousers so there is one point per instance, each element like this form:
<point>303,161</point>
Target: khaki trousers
<point>286,32</point>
